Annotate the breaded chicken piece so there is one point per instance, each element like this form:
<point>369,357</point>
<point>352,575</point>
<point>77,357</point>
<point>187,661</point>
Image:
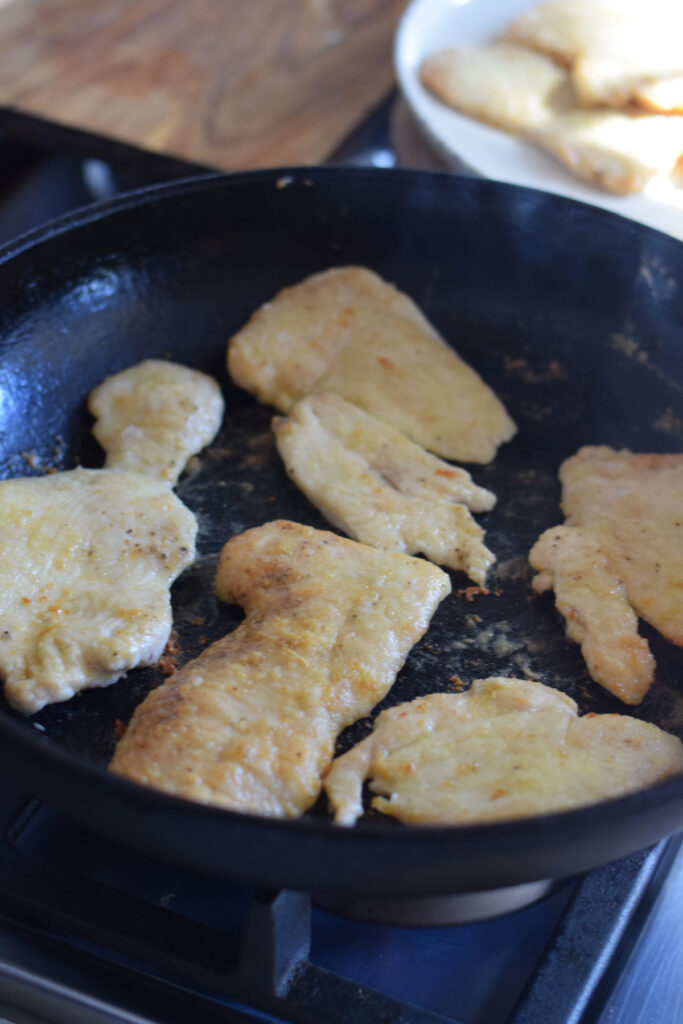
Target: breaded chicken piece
<point>251,723</point>
<point>617,83</point>
<point>346,330</point>
<point>592,599</point>
<point>86,561</point>
<point>618,151</point>
<point>663,95</point>
<point>153,416</point>
<point>568,29</point>
<point>377,486</point>
<point>507,86</point>
<point>506,749</point>
<point>619,54</point>
<point>633,505</point>
<point>529,94</point>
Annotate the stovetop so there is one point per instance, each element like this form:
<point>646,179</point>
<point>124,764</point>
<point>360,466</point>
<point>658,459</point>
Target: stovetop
<point>91,932</point>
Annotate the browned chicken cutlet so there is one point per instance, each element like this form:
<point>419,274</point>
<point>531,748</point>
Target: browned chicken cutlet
<point>251,723</point>
<point>153,416</point>
<point>633,504</point>
<point>592,599</point>
<point>87,558</point>
<point>348,331</point>
<point>380,488</point>
<point>505,749</point>
<point>619,53</point>
<point>620,552</point>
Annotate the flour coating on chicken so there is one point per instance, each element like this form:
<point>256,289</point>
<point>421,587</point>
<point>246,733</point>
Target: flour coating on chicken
<point>507,86</point>
<point>633,504</point>
<point>86,561</point>
<point>623,538</point>
<point>618,53</point>
<point>528,94</point>
<point>348,331</point>
<point>592,598</point>
<point>380,488</point>
<point>251,723</point>
<point>559,59</point>
<point>619,150</point>
<point>506,749</point>
<point>153,416</point>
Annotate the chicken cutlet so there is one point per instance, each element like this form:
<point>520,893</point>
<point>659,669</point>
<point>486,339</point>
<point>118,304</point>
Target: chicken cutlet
<point>528,94</point>
<point>87,558</point>
<point>619,54</point>
<point>568,29</point>
<point>251,723</point>
<point>380,488</point>
<point>505,749</point>
<point>663,94</point>
<point>346,330</point>
<point>633,505</point>
<point>620,552</point>
<point>153,416</point>
<point>507,86</point>
<point>592,598</point>
<point>617,150</point>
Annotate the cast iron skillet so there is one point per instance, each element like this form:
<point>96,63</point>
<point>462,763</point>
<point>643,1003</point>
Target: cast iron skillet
<point>573,315</point>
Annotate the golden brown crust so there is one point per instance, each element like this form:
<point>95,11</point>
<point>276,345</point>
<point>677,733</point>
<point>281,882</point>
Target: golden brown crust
<point>348,331</point>
<point>632,503</point>
<point>153,416</point>
<point>381,489</point>
<point>88,559</point>
<point>505,749</point>
<point>503,85</point>
<point>251,723</point>
<point>591,596</point>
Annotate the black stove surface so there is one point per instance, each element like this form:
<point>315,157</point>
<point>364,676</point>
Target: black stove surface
<point>93,932</point>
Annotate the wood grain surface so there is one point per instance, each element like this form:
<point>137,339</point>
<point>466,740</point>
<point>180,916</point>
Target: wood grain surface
<point>231,84</point>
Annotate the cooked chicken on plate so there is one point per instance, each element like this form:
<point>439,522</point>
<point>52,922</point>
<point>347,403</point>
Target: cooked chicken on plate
<point>567,29</point>
<point>505,749</point>
<point>380,488</point>
<point>251,723</point>
<point>619,151</point>
<point>556,60</point>
<point>153,416</point>
<point>504,85</point>
<point>619,52</point>
<point>528,94</point>
<point>348,331</point>
<point>86,561</point>
<point>619,552</point>
<point>592,598</point>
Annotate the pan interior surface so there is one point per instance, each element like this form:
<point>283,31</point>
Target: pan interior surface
<point>573,316</point>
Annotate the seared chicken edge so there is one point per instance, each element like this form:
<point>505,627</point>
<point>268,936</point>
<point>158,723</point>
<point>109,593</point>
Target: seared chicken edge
<point>505,749</point>
<point>251,723</point>
<point>87,560</point>
<point>152,417</point>
<point>380,488</point>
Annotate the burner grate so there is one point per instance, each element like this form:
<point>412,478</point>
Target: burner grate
<point>116,922</point>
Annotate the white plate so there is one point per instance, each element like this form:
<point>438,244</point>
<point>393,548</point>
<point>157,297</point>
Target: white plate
<point>431,25</point>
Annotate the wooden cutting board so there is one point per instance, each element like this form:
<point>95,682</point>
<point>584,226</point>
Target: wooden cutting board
<point>230,84</point>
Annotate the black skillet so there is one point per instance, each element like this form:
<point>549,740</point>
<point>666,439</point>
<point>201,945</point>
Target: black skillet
<point>573,315</point>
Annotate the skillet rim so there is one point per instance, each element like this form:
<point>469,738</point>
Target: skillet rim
<point>74,762</point>
<point>132,198</point>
